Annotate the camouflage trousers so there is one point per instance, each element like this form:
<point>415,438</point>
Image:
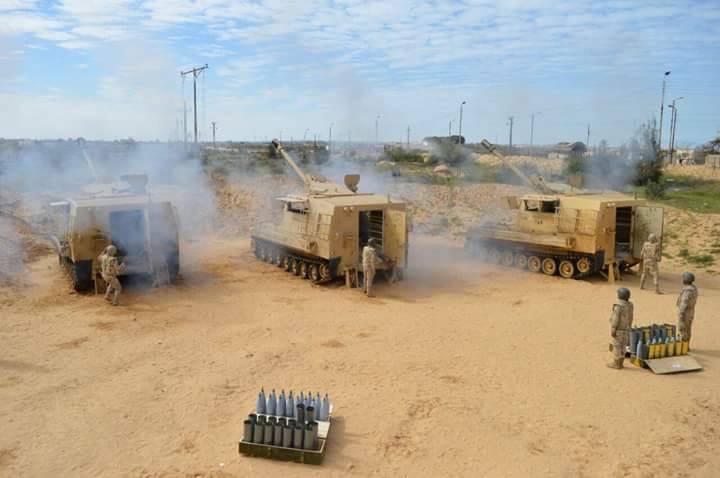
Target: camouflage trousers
<point>368,278</point>
<point>620,342</point>
<point>685,327</point>
<point>113,288</point>
<point>652,270</point>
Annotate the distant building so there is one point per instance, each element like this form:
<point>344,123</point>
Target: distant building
<point>712,161</point>
<point>565,150</point>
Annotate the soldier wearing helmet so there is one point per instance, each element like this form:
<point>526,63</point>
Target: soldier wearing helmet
<point>620,324</point>
<point>650,256</point>
<point>686,306</point>
<point>110,268</point>
<point>369,262</point>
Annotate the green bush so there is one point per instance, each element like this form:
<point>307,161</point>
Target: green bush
<point>655,190</point>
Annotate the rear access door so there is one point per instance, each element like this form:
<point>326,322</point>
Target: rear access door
<point>396,236</point>
<point>129,234</point>
<point>648,220</point>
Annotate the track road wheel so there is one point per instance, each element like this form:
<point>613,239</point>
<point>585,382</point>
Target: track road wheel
<point>566,269</point>
<point>507,258</point>
<point>493,255</point>
<point>583,265</point>
<point>520,261</point>
<point>304,270</point>
<point>324,272</point>
<point>278,259</point>
<point>258,251</point>
<point>314,273</point>
<point>286,263</point>
<point>295,266</point>
<point>549,266</point>
<point>534,264</point>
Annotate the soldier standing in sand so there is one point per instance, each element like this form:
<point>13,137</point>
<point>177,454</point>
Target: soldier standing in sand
<point>369,262</point>
<point>686,306</point>
<point>110,268</point>
<point>620,324</point>
<point>650,256</point>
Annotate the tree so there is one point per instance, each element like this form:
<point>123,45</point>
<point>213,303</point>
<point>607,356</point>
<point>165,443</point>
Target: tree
<point>645,153</point>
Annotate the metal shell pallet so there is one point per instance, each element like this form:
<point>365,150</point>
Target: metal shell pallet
<point>312,457</point>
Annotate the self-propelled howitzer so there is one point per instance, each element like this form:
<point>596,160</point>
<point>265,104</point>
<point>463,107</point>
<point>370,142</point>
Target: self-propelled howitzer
<point>573,235</point>
<point>319,234</point>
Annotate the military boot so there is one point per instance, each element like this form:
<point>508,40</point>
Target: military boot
<point>615,364</point>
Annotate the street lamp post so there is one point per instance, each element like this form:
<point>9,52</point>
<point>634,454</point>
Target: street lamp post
<point>460,124</point>
<point>662,104</point>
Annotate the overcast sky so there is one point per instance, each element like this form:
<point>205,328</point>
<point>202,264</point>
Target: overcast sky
<point>107,69</point>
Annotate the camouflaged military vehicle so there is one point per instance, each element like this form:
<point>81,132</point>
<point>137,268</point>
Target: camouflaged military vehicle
<point>571,234</point>
<point>319,235</point>
<point>145,231</point>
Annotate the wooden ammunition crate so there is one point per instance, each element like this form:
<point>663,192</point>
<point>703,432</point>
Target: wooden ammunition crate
<point>312,457</point>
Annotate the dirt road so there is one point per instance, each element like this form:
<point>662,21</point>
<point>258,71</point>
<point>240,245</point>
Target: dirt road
<point>461,370</point>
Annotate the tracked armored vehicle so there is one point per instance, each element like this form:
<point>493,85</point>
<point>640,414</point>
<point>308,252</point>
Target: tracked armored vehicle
<point>571,234</point>
<point>319,235</point>
<point>123,213</point>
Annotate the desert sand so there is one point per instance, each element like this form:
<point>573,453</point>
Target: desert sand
<point>463,369</point>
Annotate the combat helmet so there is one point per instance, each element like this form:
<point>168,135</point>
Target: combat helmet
<point>688,278</point>
<point>623,293</point>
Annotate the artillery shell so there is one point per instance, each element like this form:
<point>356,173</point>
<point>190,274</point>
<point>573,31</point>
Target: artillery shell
<point>300,413</point>
<point>268,435</point>
<point>248,427</point>
<point>310,414</point>
<point>277,435</point>
<point>298,437</point>
<point>258,433</point>
<point>287,438</point>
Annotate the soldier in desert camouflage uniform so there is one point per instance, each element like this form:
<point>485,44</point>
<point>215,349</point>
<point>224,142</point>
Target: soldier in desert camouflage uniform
<point>650,256</point>
<point>620,324</point>
<point>369,262</point>
<point>110,268</point>
<point>686,306</point>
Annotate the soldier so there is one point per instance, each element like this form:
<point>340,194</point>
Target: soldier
<point>369,260</point>
<point>620,324</point>
<point>650,256</point>
<point>686,306</point>
<point>110,268</point>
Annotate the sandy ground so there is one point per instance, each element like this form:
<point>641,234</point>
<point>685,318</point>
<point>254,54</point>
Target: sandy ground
<point>461,370</point>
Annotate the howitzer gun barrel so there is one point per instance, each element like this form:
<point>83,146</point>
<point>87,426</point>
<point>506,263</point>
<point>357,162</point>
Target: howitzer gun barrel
<point>536,184</point>
<point>279,148</point>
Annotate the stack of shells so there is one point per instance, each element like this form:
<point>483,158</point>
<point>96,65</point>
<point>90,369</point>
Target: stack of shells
<point>656,341</point>
<point>287,421</point>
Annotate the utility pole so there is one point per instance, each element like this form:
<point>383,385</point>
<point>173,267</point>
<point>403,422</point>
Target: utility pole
<point>185,123</point>
<point>195,73</point>
<point>330,137</point>
<point>377,119</point>
<point>511,120</point>
<point>214,126</point>
<point>673,126</point>
<point>460,125</point>
<point>662,104</point>
<point>408,137</point>
<point>532,131</point>
<point>450,128</point>
<point>587,142</point>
